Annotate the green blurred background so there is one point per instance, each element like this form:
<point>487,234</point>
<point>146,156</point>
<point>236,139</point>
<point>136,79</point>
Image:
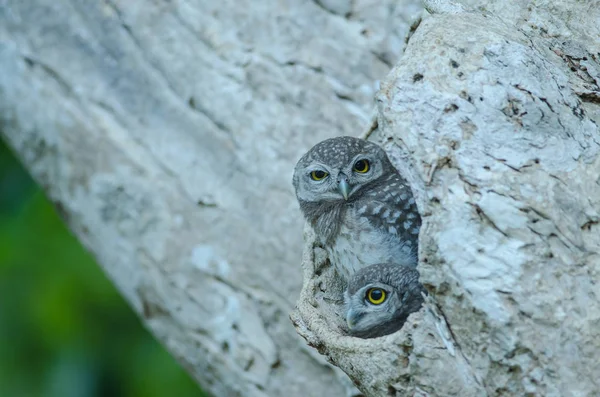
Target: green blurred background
<point>64,329</point>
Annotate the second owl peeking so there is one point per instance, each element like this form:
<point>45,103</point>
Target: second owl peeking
<point>363,213</point>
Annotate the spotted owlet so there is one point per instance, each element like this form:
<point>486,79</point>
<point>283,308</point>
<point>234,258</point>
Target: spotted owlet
<point>379,298</point>
<point>363,212</point>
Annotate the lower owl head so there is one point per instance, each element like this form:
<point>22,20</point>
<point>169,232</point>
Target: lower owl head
<point>379,298</point>
<point>336,169</point>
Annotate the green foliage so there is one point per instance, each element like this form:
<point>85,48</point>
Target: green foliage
<point>64,329</point>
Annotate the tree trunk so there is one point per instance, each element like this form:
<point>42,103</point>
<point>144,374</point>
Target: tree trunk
<point>493,114</point>
<point>166,133</point>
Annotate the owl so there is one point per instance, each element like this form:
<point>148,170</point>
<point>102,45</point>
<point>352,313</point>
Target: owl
<point>361,209</point>
<point>379,298</point>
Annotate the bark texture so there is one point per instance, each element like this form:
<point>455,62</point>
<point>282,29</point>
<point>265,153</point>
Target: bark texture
<point>166,133</point>
<point>493,112</point>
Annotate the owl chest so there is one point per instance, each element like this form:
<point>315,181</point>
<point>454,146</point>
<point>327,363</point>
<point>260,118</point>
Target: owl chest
<point>359,244</point>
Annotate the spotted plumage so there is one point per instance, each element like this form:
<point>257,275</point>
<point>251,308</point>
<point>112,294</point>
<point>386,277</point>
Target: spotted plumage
<point>379,298</point>
<point>362,210</point>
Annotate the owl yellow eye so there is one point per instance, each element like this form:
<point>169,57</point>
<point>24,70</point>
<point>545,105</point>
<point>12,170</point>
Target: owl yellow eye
<point>361,166</point>
<point>318,175</point>
<point>376,296</point>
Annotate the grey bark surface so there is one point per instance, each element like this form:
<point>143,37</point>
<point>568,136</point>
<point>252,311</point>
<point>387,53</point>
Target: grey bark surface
<point>166,134</point>
<point>492,112</point>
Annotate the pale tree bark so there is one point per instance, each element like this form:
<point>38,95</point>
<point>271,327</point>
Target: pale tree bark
<point>493,114</point>
<point>166,133</point>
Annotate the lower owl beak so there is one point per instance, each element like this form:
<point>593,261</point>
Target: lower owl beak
<point>344,188</point>
<point>351,318</point>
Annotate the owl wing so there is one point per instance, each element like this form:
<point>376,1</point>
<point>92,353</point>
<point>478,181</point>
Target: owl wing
<point>392,209</point>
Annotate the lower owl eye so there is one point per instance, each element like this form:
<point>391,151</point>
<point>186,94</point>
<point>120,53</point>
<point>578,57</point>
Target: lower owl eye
<point>318,175</point>
<point>361,166</point>
<point>376,296</point>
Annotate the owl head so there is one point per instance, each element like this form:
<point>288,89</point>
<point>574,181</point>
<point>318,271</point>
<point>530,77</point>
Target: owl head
<point>337,169</point>
<point>379,298</point>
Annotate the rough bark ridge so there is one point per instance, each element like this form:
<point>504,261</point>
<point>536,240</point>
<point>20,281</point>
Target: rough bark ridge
<point>493,113</point>
<point>166,133</point>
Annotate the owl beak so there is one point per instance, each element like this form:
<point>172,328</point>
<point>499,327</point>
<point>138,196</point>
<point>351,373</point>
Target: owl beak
<point>344,187</point>
<point>351,318</point>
